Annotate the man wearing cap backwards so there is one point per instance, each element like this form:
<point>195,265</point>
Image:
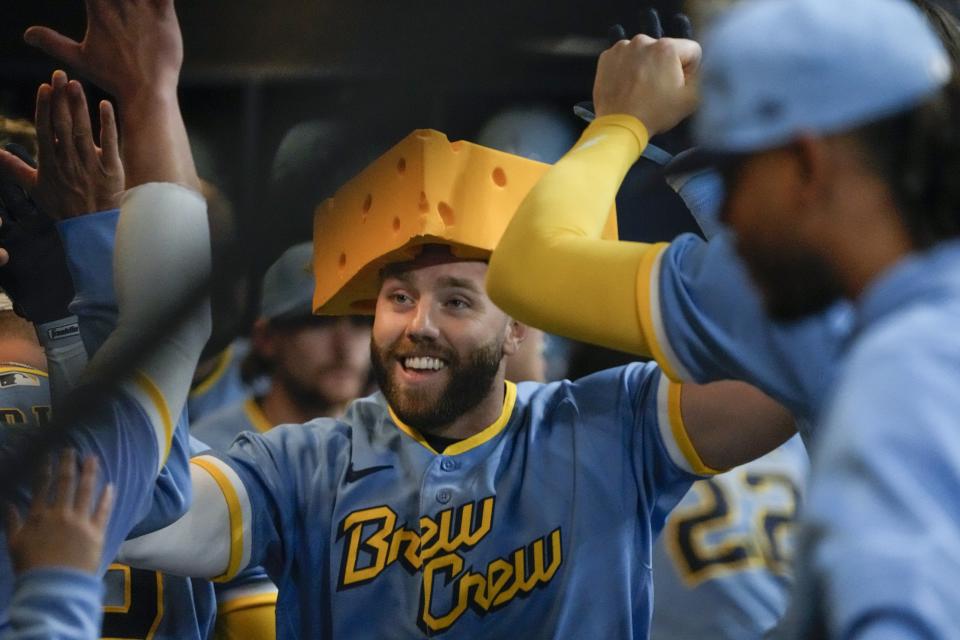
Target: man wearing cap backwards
<point>837,140</point>
<point>456,502</point>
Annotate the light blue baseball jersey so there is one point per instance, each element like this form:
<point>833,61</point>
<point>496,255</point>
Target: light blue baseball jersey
<point>219,429</point>
<point>883,517</point>
<point>136,603</point>
<point>24,395</point>
<point>54,604</point>
<point>723,563</point>
<point>542,525</point>
<point>223,387</point>
<point>706,322</point>
<point>123,434</point>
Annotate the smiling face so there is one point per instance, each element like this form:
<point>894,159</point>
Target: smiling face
<point>438,343</point>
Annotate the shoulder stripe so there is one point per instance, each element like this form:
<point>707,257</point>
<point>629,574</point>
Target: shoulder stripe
<point>651,314</point>
<point>673,431</point>
<point>240,512</point>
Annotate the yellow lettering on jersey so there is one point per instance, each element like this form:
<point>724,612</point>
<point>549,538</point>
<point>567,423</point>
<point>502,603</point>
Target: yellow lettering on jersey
<point>503,581</point>
<point>373,542</point>
<point>41,413</point>
<point>377,544</point>
<point>12,415</point>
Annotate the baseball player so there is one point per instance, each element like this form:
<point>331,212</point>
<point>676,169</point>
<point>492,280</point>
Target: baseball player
<point>455,502</point>
<point>316,365</point>
<point>154,263</point>
<point>787,289</point>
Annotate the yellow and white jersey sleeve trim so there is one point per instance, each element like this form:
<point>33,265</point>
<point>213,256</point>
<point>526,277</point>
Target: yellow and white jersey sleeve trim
<point>651,315</point>
<point>673,432</point>
<point>146,393</point>
<point>212,540</point>
<point>239,513</point>
<point>246,596</point>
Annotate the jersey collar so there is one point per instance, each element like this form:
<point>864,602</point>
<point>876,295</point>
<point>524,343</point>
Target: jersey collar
<point>477,439</point>
<point>256,415</point>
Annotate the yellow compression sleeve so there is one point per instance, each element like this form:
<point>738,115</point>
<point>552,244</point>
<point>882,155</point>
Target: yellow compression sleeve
<point>253,620</point>
<point>552,270</point>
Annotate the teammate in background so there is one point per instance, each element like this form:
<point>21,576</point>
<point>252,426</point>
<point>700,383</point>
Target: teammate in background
<point>316,365</point>
<point>56,552</point>
<point>19,353</point>
<point>786,164</point>
<point>136,603</point>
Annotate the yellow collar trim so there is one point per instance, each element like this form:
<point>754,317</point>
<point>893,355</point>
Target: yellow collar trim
<point>16,367</point>
<point>256,415</point>
<point>477,439</point>
<point>223,361</point>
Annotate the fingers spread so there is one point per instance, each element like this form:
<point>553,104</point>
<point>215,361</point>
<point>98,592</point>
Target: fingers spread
<point>54,44</point>
<point>85,488</point>
<point>66,480</point>
<point>60,113</point>
<point>41,487</point>
<point>109,146</point>
<point>82,138</point>
<point>44,123</point>
<point>104,507</point>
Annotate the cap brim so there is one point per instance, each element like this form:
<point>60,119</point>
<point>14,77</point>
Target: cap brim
<point>697,160</point>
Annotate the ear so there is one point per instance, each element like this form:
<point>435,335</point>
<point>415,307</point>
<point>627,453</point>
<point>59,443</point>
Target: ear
<point>816,173</point>
<point>262,339</point>
<point>516,333</point>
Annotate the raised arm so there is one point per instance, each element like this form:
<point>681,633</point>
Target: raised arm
<point>133,49</point>
<point>550,261</point>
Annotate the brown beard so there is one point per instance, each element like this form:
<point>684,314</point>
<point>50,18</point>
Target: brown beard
<point>469,383</point>
<point>794,283</point>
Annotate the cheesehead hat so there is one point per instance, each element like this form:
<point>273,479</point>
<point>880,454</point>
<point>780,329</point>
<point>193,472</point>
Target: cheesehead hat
<point>425,190</point>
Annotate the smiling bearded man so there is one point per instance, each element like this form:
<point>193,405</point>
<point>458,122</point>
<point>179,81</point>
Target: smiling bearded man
<point>456,503</point>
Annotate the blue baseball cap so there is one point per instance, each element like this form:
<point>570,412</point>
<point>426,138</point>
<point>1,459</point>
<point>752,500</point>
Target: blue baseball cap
<point>775,69</point>
<point>288,285</point>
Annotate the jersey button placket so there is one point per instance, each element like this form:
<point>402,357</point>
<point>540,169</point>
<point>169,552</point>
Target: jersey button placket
<point>444,495</point>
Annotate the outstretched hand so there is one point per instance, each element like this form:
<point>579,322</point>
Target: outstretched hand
<point>133,49</point>
<point>72,176</point>
<point>130,48</point>
<point>65,529</point>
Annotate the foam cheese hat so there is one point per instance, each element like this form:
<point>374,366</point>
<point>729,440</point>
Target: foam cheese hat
<point>425,190</point>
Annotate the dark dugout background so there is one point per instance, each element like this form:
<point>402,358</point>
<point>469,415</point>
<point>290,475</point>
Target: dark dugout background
<point>369,71</point>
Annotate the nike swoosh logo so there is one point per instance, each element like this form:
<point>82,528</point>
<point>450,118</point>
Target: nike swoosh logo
<point>356,474</point>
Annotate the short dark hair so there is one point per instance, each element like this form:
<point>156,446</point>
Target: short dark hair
<point>918,152</point>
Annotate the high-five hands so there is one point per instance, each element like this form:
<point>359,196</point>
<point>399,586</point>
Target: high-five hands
<point>73,175</point>
<point>130,47</point>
